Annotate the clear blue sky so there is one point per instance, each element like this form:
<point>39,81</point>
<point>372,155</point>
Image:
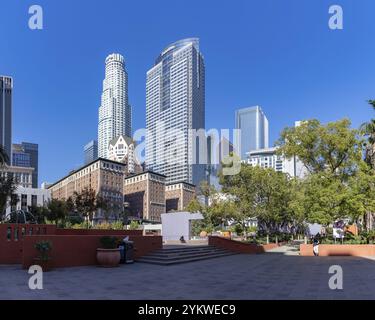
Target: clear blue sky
<point>279,54</point>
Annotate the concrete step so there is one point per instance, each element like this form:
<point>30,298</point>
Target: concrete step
<point>183,255</point>
<point>184,248</point>
<point>185,260</point>
<point>166,253</point>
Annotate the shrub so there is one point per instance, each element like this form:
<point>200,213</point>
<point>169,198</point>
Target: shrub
<point>117,225</point>
<point>43,247</point>
<point>103,226</point>
<point>108,242</point>
<point>134,225</point>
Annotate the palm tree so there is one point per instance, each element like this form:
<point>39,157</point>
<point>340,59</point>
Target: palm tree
<point>3,156</point>
<point>368,130</point>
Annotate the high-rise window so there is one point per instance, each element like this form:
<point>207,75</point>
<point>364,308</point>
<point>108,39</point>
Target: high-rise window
<point>253,124</point>
<point>175,100</point>
<point>114,111</point>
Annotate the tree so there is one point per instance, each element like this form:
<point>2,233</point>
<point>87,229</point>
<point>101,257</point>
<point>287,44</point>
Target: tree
<point>88,202</point>
<point>259,193</point>
<point>8,187</point>
<point>333,148</point>
<point>215,214</point>
<point>4,158</point>
<point>57,211</point>
<point>40,213</point>
<point>368,130</point>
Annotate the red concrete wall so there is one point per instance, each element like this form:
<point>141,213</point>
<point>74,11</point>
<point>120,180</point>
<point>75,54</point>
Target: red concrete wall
<point>95,232</point>
<point>11,246</point>
<point>356,250</point>
<point>80,250</point>
<point>240,247</point>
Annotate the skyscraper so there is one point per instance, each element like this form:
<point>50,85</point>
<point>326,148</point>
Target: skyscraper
<point>114,111</point>
<point>6,88</point>
<point>27,155</point>
<point>91,151</point>
<point>175,104</point>
<point>253,124</point>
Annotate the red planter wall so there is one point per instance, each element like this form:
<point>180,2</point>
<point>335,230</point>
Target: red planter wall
<point>72,251</point>
<point>356,250</point>
<point>240,247</point>
<point>11,240</point>
<point>71,247</point>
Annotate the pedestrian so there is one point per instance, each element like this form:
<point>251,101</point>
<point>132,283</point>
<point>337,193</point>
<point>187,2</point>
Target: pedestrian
<point>316,245</point>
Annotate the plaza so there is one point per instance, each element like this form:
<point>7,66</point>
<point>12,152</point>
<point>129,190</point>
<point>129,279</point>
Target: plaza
<point>278,274</point>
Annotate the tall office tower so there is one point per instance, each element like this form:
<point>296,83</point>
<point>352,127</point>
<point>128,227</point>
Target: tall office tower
<point>19,157</point>
<point>26,155</point>
<point>175,103</point>
<point>253,124</point>
<point>115,111</point>
<point>91,151</point>
<point>6,88</point>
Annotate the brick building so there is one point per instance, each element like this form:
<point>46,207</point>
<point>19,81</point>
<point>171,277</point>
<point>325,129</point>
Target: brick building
<point>178,196</point>
<point>145,194</point>
<point>104,176</point>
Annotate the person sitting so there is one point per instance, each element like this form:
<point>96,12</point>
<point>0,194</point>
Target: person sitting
<point>182,239</point>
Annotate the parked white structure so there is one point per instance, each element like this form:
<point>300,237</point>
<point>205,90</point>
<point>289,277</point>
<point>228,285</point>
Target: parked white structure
<point>122,149</point>
<point>29,197</point>
<point>175,103</point>
<point>114,111</point>
<point>267,158</point>
<point>178,224</point>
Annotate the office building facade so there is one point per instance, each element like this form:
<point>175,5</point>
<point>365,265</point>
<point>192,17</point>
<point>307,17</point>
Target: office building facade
<point>91,151</point>
<point>145,195</point>
<point>23,176</point>
<point>254,134</point>
<point>6,91</point>
<point>103,176</point>
<point>268,158</point>
<point>114,111</point>
<point>175,104</point>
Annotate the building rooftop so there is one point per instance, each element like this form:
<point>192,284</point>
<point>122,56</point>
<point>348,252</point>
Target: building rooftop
<point>148,171</point>
<point>85,166</point>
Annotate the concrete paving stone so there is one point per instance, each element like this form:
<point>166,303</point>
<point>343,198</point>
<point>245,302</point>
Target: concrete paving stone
<point>269,276</point>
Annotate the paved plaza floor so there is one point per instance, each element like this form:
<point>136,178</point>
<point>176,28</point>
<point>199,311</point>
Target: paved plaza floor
<point>280,274</point>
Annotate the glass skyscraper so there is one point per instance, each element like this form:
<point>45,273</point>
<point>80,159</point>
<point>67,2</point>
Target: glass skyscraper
<point>253,124</point>
<point>6,88</point>
<point>175,104</point>
<point>91,151</point>
<point>27,155</point>
<point>114,111</point>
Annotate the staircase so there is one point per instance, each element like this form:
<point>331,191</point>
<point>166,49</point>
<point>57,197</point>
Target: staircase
<point>184,254</point>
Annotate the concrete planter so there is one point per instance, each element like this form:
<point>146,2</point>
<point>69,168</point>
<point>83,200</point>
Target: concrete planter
<point>108,258</point>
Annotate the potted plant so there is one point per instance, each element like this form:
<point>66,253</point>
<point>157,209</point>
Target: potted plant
<point>108,255</point>
<point>43,259</point>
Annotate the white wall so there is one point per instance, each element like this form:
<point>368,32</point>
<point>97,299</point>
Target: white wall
<point>177,224</point>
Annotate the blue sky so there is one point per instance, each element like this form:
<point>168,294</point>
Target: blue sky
<point>279,54</point>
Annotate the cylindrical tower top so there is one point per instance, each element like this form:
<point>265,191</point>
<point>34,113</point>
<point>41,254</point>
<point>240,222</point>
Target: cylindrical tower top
<point>115,57</point>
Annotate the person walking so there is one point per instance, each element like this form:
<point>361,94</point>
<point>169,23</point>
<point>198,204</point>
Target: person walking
<point>316,245</point>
